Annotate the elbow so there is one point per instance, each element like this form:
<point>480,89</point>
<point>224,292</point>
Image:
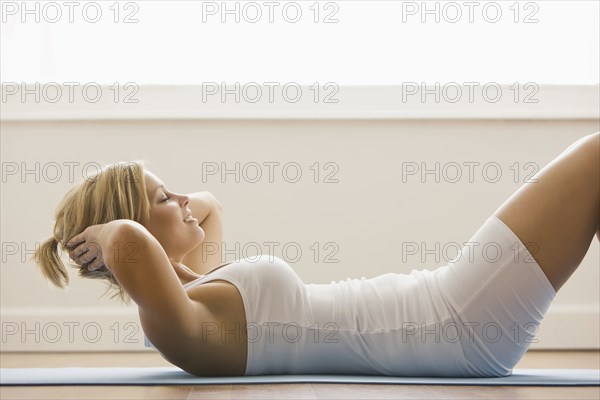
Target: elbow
<point>214,201</point>
<point>218,204</point>
<point>123,242</point>
<point>125,230</point>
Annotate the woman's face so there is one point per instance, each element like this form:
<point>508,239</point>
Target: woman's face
<point>167,213</point>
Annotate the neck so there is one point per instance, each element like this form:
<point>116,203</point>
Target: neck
<point>184,274</point>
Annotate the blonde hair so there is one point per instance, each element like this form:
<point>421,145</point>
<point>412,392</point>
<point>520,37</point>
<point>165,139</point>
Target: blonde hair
<point>116,191</point>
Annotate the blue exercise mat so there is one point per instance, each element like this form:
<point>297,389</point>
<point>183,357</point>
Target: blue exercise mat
<point>176,376</point>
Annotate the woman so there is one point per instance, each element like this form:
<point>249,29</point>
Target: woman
<point>475,316</point>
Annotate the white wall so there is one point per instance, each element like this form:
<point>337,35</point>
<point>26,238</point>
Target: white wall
<point>368,214</point>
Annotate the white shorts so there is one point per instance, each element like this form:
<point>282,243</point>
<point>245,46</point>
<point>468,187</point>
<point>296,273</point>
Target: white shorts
<point>475,317</point>
<point>497,294</point>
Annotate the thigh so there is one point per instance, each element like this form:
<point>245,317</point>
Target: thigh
<point>497,295</point>
<point>557,214</point>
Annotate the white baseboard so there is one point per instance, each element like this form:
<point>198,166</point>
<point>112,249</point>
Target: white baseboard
<point>111,329</point>
<point>71,329</point>
<point>572,326</point>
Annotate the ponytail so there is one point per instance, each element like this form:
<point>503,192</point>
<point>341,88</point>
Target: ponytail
<point>118,191</point>
<point>51,264</point>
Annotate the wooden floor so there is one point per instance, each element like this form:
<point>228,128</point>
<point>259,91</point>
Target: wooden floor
<point>533,359</point>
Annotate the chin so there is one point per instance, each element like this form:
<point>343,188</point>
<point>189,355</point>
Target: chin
<point>201,236</point>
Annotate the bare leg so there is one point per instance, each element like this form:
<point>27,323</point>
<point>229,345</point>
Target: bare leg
<point>557,216</point>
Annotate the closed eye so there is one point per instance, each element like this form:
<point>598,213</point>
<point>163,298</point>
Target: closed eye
<point>165,199</point>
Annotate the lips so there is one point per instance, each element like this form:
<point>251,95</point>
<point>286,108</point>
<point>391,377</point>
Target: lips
<point>189,218</point>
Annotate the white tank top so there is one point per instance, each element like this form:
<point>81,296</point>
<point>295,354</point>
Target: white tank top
<point>346,327</point>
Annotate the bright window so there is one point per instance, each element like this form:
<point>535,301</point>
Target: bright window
<point>351,42</point>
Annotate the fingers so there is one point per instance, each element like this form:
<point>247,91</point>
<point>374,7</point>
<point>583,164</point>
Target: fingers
<point>84,257</point>
<point>88,255</point>
<point>75,241</point>
<point>74,250</point>
<point>88,260</point>
<point>85,253</point>
<point>97,263</point>
<point>80,250</point>
<point>72,245</point>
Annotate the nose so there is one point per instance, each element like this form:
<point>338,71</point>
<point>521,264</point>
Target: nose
<point>184,200</point>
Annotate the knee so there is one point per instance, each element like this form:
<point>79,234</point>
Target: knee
<point>592,143</point>
<point>588,148</point>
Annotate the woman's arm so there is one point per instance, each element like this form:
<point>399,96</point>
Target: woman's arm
<point>207,255</point>
<point>142,268</point>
